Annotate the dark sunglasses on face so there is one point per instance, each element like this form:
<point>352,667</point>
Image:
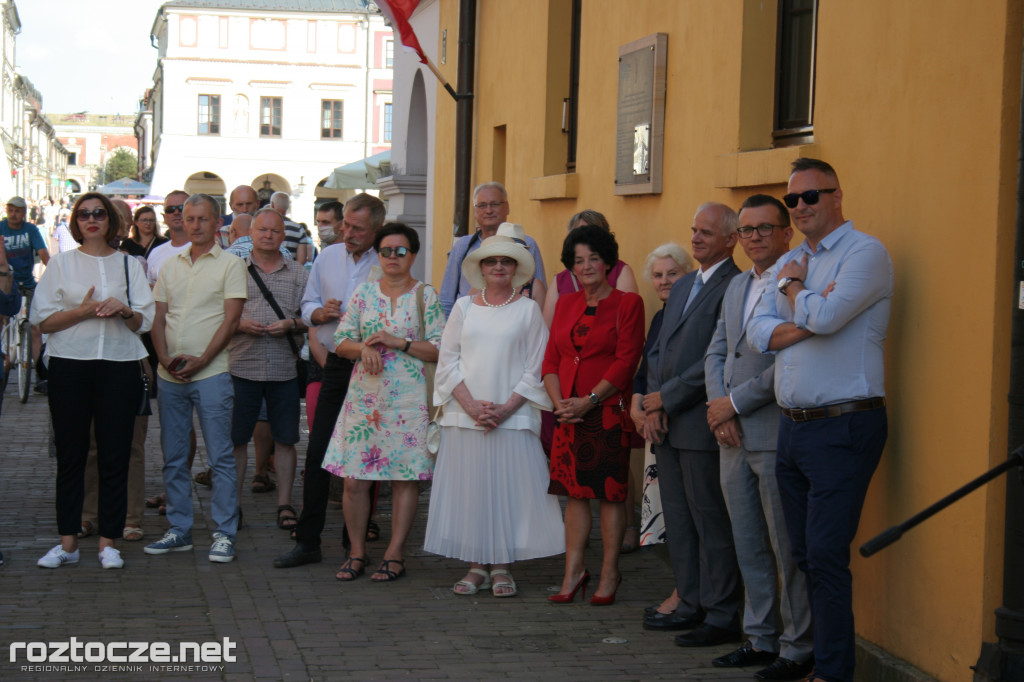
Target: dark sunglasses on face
<point>810,197</point>
<point>764,229</point>
<point>174,209</point>
<point>97,213</point>
<point>397,251</point>
<point>505,262</point>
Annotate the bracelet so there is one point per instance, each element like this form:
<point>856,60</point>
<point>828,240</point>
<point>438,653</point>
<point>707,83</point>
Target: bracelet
<point>129,317</point>
<point>407,344</point>
<point>5,273</point>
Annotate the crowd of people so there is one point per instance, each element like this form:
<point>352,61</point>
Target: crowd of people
<point>757,394</point>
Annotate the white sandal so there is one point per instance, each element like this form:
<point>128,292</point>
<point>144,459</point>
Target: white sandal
<point>508,588</point>
<point>469,588</point>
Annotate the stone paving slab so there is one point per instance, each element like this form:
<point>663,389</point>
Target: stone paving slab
<point>301,624</point>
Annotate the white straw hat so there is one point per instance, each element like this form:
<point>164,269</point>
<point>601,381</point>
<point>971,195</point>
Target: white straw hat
<point>499,245</point>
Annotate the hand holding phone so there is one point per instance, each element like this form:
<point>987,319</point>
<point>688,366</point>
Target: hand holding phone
<point>176,364</point>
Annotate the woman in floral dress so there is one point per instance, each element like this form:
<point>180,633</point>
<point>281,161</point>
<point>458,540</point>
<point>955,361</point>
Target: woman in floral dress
<point>390,328</point>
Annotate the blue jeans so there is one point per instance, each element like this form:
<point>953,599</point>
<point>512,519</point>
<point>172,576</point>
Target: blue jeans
<point>823,468</point>
<point>213,399</point>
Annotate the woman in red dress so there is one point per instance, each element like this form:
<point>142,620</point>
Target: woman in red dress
<point>597,336</point>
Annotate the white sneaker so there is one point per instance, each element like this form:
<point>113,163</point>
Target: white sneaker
<point>57,557</point>
<point>111,558</point>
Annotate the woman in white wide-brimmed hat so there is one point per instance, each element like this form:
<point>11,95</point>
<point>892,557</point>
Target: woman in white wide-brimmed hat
<point>489,504</point>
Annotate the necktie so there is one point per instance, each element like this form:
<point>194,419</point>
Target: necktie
<point>698,283</point>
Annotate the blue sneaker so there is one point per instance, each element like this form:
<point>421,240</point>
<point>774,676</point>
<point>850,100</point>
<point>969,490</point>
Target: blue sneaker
<point>222,550</point>
<point>170,542</point>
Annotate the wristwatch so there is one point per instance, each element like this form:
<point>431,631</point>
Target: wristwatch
<point>786,281</point>
<point>5,273</point>
<point>594,398</point>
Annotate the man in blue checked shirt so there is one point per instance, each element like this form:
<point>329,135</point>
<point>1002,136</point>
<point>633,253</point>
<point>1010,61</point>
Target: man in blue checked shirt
<point>826,322</point>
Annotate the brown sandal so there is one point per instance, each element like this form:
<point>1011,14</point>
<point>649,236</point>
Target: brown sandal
<point>286,522</point>
<point>262,483</point>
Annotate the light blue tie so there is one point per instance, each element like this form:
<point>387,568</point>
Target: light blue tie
<point>698,284</point>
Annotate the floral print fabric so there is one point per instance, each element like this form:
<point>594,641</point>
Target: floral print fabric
<point>381,433</point>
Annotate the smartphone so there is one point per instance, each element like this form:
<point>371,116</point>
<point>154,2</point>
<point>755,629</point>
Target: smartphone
<point>176,364</point>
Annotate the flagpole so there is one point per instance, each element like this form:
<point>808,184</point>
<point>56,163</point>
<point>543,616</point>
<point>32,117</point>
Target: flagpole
<point>447,86</point>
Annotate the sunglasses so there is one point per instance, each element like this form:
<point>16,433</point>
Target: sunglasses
<point>396,251</point>
<point>810,197</point>
<point>174,209</point>
<point>96,214</point>
<point>484,206</point>
<point>504,262</point>
<point>764,229</point>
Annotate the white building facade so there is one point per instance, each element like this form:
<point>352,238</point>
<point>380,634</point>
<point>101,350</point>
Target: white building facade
<point>274,97</point>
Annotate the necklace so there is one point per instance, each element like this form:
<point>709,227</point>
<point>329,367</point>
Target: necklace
<point>483,297</point>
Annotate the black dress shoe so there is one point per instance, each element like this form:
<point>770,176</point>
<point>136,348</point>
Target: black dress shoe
<point>672,621</point>
<point>745,655</point>
<point>707,635</point>
<point>785,669</point>
<point>299,556</point>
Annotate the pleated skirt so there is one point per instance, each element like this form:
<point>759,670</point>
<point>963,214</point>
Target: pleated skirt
<point>489,502</point>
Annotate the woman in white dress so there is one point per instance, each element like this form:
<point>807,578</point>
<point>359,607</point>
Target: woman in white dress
<point>489,503</point>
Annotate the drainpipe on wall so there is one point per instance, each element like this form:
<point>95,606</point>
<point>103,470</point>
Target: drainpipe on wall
<point>464,116</point>
<point>1004,661</point>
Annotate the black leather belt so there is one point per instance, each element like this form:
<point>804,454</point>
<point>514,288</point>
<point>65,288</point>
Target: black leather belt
<point>812,413</point>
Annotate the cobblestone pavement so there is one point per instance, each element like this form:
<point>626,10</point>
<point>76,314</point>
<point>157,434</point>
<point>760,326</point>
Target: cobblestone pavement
<point>300,623</point>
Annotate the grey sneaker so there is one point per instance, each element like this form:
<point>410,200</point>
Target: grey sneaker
<point>57,557</point>
<point>222,550</point>
<point>111,558</point>
<point>170,542</point>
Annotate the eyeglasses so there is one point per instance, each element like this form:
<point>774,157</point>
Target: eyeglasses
<point>396,251</point>
<point>96,214</point>
<point>494,204</point>
<point>504,262</point>
<point>810,197</point>
<point>174,209</point>
<point>764,229</point>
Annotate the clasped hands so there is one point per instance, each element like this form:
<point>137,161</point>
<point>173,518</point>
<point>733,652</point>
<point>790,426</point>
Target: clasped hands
<point>371,352</point>
<point>487,414</point>
<point>91,308</point>
<point>276,329</point>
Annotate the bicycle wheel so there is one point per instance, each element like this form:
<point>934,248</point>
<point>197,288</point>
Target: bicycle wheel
<point>24,361</point>
<point>6,349</point>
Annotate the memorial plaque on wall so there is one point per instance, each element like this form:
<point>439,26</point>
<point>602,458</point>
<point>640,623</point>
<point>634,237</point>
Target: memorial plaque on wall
<point>640,127</point>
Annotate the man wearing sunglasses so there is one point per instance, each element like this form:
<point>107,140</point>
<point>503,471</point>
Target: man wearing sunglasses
<point>744,418</point>
<point>174,204</point>
<point>490,209</point>
<point>826,322</point>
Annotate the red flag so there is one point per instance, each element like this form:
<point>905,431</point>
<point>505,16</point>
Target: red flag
<point>398,13</point>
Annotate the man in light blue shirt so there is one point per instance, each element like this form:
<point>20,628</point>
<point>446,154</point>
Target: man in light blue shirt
<point>826,322</point>
<point>490,209</point>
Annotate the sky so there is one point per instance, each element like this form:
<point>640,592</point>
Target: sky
<point>87,55</point>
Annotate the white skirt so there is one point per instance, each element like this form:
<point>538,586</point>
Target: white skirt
<point>489,502</point>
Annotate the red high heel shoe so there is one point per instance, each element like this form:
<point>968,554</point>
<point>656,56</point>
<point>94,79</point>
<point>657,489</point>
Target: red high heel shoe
<point>567,598</point>
<point>610,599</point>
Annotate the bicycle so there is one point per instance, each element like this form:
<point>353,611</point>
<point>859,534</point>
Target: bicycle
<point>17,341</point>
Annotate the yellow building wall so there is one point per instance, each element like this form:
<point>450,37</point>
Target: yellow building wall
<point>917,108</point>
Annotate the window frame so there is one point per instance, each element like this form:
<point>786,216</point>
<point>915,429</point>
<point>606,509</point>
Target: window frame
<point>274,126</point>
<point>212,115</point>
<point>793,76</point>
<point>387,112</point>
<point>340,119</point>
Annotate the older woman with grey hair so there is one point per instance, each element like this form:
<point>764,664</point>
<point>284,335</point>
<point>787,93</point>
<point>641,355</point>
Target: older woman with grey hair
<point>663,267</point>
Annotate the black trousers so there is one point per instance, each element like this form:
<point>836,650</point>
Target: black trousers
<point>101,395</point>
<point>337,372</point>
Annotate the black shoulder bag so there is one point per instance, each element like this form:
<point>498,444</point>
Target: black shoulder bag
<point>144,409</point>
<point>300,364</point>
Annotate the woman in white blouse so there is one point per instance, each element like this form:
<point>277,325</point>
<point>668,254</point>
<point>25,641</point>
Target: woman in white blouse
<point>489,503</point>
<point>82,302</point>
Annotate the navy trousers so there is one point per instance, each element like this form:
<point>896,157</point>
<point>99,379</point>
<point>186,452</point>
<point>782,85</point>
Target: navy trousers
<point>823,470</point>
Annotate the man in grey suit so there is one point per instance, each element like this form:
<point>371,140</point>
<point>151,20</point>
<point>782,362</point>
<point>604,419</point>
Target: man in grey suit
<point>743,415</point>
<point>697,528</point>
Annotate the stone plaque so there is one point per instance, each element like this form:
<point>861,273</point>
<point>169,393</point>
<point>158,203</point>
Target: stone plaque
<point>640,128</point>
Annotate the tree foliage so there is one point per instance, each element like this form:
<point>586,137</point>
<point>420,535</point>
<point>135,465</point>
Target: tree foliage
<point>121,164</point>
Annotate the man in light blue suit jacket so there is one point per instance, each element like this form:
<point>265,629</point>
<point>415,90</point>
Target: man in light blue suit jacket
<point>743,415</point>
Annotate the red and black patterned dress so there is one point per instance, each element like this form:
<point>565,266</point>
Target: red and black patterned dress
<point>588,459</point>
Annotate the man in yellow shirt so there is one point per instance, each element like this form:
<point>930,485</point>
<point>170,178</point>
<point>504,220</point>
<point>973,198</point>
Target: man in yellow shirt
<point>199,297</point>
